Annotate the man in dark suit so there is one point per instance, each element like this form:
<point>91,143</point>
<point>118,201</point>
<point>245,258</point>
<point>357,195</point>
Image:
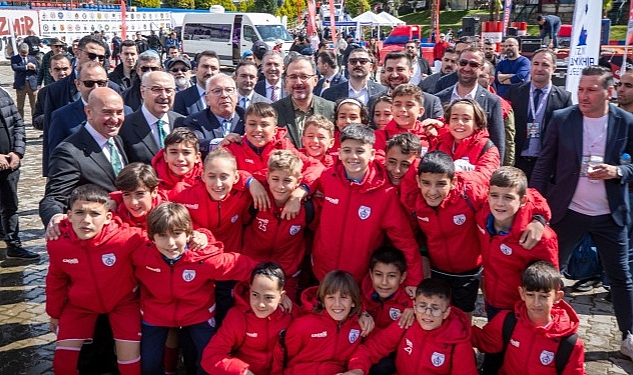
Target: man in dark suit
<point>222,117</point>
<point>192,100</point>
<point>24,77</point>
<point>300,103</point>
<point>148,61</point>
<point>272,86</point>
<point>448,64</point>
<point>360,65</point>
<point>330,75</point>
<point>420,65</point>
<point>450,79</point>
<point>471,65</point>
<point>144,131</point>
<point>532,116</point>
<point>581,174</point>
<point>59,68</point>
<point>245,78</point>
<point>94,155</point>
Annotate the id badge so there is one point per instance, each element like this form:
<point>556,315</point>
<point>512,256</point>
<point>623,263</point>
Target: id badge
<point>533,130</point>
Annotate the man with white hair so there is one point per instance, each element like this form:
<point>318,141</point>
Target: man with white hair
<point>180,69</point>
<point>24,77</point>
<point>148,61</point>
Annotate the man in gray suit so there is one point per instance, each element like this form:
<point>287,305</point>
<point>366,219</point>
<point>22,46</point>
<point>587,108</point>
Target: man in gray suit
<point>360,64</point>
<point>245,79</point>
<point>301,103</point>
<point>144,131</point>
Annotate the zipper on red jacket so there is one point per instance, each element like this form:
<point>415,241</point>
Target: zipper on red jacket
<point>444,239</point>
<point>340,239</point>
<point>219,214</point>
<point>94,279</point>
<point>171,291</point>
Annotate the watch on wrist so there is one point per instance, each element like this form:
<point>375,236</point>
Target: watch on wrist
<point>619,171</point>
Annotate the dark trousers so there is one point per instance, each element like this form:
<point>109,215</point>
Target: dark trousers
<point>9,206</point>
<point>612,243</point>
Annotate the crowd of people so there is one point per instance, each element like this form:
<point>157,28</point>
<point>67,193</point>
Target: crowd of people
<point>315,214</point>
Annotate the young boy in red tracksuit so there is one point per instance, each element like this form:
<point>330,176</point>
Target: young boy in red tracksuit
<point>268,237</point>
<point>544,340</point>
<point>359,210</point>
<point>318,140</point>
<point>178,165</point>
<point>177,284</point>
<point>137,193</point>
<point>437,343</point>
<point>403,152</point>
<point>245,342</point>
<point>90,274</point>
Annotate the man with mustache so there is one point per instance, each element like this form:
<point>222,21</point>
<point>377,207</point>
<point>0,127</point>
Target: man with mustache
<point>180,68</point>
<point>448,61</point>
<point>513,70</point>
<point>193,100</point>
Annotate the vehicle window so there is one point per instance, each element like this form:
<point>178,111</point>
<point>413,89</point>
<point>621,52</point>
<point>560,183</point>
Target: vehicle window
<point>271,32</point>
<point>207,32</point>
<point>249,34</point>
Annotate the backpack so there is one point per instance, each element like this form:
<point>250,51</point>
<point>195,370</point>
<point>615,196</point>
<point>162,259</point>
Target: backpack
<point>565,346</point>
<point>584,262</point>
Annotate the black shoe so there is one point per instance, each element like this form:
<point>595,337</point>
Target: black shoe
<point>18,252</point>
<point>586,285</point>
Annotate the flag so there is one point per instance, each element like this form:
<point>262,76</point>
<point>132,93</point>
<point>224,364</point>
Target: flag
<point>333,23</point>
<point>311,17</point>
<point>123,27</point>
<point>507,9</point>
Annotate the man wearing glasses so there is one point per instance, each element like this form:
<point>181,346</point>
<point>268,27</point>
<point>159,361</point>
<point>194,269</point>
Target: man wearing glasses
<point>300,80</point>
<point>123,74</point>
<point>44,76</point>
<point>360,64</point>
<point>193,99</point>
<point>180,68</point>
<point>513,70</point>
<point>144,131</point>
<point>148,61</point>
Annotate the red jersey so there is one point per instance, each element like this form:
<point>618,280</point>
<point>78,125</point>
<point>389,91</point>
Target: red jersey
<point>387,311</point>
<point>95,274</point>
<point>127,217</point>
<point>504,259</point>
<point>355,220</point>
<point>531,349</point>
<point>392,128</point>
<point>444,350</point>
<point>170,183</point>
<point>328,160</point>
<point>474,149</point>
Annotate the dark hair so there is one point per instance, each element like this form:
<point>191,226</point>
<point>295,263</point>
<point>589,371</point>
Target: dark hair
<point>90,39</point>
<point>88,193</point>
<point>539,18</point>
<point>294,59</point>
<point>388,255</point>
<point>128,43</point>
<point>437,162</point>
<point>135,175</point>
<point>546,51</point>
<point>90,65</point>
<point>480,119</point>
<point>168,217</point>
<point>261,109</point>
<point>449,49</point>
<point>397,55</point>
<point>601,71</point>
<point>510,177</point>
<point>434,287</point>
<point>207,53</point>
<point>358,132</point>
<point>407,89</point>
<point>341,282</point>
<point>364,116</point>
<point>61,56</point>
<point>541,276</point>
<point>476,51</point>
<point>270,270</point>
<point>409,143</point>
<point>244,63</point>
<point>328,58</point>
<point>180,135</point>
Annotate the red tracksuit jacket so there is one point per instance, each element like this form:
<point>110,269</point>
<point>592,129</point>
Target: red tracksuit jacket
<point>257,163</point>
<point>225,219</point>
<point>531,350</point>
<point>328,160</point>
<point>244,341</point>
<point>94,274</point>
<point>127,217</point>
<point>504,259</point>
<point>384,312</point>
<point>354,220</point>
<point>392,128</point>
<point>472,149</point>
<point>450,228</point>
<point>445,350</point>
<point>317,344</point>
<point>171,184</point>
<point>182,293</point>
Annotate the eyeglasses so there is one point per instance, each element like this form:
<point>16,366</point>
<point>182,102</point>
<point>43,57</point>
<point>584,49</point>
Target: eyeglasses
<point>472,64</point>
<point>184,69</point>
<point>355,60</point>
<point>303,77</point>
<point>435,311</point>
<point>58,46</point>
<point>218,92</point>
<point>157,90</point>
<point>93,56</point>
<point>90,83</point>
<point>146,69</point>
<point>65,68</point>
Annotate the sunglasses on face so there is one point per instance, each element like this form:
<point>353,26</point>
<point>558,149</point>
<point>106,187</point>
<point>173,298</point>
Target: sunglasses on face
<point>90,83</point>
<point>60,69</point>
<point>182,70</point>
<point>354,61</point>
<point>94,56</point>
<point>146,69</point>
<point>472,64</point>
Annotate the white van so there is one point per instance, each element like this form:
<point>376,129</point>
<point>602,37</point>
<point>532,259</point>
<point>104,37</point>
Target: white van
<point>230,34</point>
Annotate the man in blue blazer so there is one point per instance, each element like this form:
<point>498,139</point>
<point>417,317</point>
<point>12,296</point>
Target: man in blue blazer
<point>330,74</point>
<point>584,174</point>
<point>192,100</point>
<point>24,69</point>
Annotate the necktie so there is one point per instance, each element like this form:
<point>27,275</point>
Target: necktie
<point>25,60</point>
<point>226,126</point>
<point>115,159</point>
<point>537,97</point>
<point>203,101</point>
<point>161,133</point>
<point>273,94</point>
<point>245,102</point>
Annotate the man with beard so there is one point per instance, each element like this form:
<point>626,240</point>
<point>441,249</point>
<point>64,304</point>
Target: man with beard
<point>180,68</point>
<point>513,70</point>
<point>490,52</point>
<point>123,74</point>
<point>359,66</point>
<point>625,91</point>
<point>144,131</point>
<point>300,103</point>
<point>222,116</point>
<point>148,61</point>
<point>397,70</point>
<point>272,86</point>
<point>451,79</point>
<point>245,78</point>
<point>330,75</point>
<point>448,64</point>
<point>192,100</point>
<point>421,67</point>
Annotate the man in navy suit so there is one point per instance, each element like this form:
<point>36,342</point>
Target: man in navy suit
<point>24,69</point>
<point>582,174</point>
<point>192,100</point>
<point>245,79</point>
<point>272,86</point>
<point>330,75</point>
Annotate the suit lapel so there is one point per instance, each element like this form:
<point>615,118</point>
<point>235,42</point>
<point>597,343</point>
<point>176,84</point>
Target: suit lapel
<point>93,151</point>
<point>576,134</point>
<point>145,136</point>
<point>611,135</point>
<point>292,129</point>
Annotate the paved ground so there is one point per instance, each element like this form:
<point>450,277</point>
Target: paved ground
<point>26,345</point>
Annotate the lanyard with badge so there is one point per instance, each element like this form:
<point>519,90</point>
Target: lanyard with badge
<point>595,157</point>
<point>534,128</point>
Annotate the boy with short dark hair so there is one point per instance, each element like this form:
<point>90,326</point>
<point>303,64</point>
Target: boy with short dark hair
<point>403,152</point>
<point>179,164</point>
<point>541,331</point>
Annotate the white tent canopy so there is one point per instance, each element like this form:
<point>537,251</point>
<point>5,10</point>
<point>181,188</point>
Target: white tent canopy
<point>372,19</point>
<point>394,21</point>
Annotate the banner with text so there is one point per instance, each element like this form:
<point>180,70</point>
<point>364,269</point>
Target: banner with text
<point>585,42</point>
<point>15,22</point>
<point>507,9</point>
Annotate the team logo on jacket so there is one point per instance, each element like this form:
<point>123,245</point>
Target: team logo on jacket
<point>234,218</point>
<point>409,347</point>
<point>294,229</point>
<point>364,212</point>
<point>459,219</point>
<point>188,275</point>
<point>394,313</point>
<point>505,249</point>
<point>546,357</point>
<point>108,259</point>
<point>354,334</point>
<point>437,359</point>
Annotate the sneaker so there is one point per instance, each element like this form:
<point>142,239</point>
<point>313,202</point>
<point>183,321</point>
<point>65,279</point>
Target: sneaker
<point>627,346</point>
<point>18,252</point>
